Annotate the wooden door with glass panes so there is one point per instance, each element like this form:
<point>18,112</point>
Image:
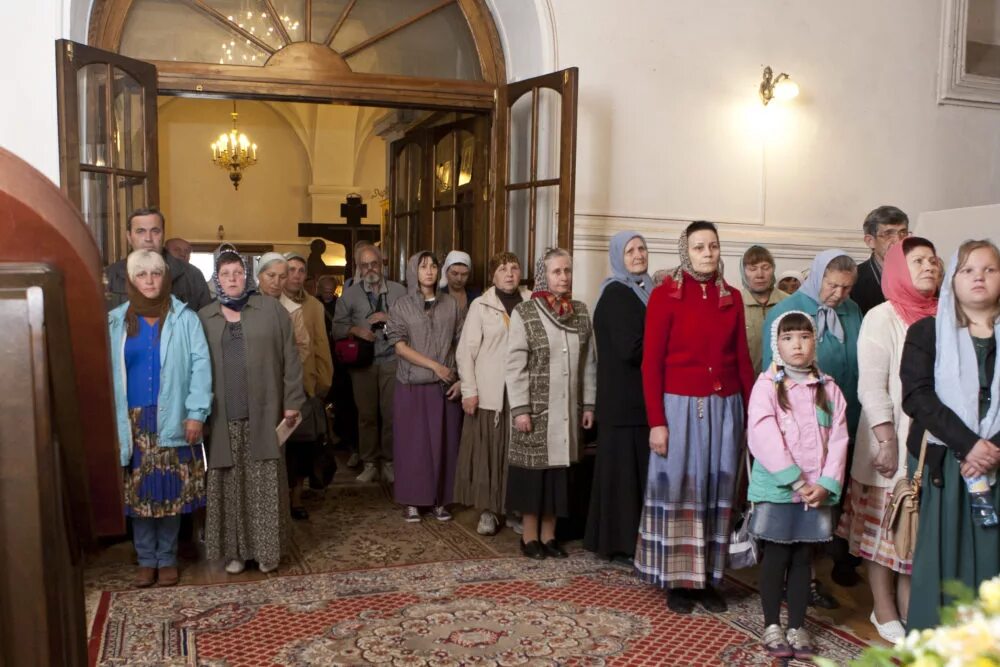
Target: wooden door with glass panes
<point>107,139</point>
<point>536,167</point>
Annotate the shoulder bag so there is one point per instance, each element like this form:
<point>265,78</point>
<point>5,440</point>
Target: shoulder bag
<point>744,548</point>
<point>902,512</point>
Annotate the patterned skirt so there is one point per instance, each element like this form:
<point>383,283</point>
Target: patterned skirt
<point>687,513</point>
<point>481,475</point>
<point>248,511</point>
<point>861,525</point>
<point>160,481</point>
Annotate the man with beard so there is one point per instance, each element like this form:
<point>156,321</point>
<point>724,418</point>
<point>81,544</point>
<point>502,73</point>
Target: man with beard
<point>362,312</point>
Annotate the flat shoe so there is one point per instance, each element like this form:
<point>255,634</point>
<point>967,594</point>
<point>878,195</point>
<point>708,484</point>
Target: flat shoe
<point>891,631</point>
<point>533,549</point>
<point>553,550</point>
<point>300,513</point>
<point>680,601</point>
<point>167,576</point>
<point>712,601</point>
<point>144,577</point>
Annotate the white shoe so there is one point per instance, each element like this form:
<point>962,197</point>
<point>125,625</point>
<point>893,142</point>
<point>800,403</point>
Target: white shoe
<point>267,568</point>
<point>235,566</point>
<point>388,472</point>
<point>354,461</point>
<point>411,514</point>
<point>369,474</point>
<point>892,631</point>
<point>515,524</point>
<point>488,523</point>
<point>441,514</point>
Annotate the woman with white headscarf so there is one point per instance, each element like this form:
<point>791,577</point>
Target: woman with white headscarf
<point>951,388</point>
<point>622,432</point>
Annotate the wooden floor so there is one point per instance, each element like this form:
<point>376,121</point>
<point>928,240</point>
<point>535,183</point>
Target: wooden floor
<point>112,567</point>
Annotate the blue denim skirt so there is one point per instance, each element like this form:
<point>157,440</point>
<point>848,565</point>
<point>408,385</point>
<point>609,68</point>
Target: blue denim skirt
<point>791,522</point>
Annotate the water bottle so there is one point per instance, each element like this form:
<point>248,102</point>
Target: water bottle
<point>981,499</point>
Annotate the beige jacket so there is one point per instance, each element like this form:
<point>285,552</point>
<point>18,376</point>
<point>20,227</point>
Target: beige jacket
<point>755,316</point>
<point>317,369</point>
<point>482,351</point>
<point>299,329</point>
<point>880,391</point>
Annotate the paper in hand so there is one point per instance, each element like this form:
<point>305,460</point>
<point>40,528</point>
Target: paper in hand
<point>285,429</point>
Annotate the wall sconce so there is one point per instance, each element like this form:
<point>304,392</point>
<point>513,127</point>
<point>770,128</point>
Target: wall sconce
<point>781,87</point>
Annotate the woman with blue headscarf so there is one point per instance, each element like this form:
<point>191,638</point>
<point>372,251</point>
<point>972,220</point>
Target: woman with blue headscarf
<point>623,434</point>
<point>951,389</point>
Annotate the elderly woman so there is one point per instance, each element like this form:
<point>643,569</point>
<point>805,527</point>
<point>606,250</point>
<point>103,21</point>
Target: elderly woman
<point>427,419</point>
<point>825,295</point>
<point>622,432</point>
<point>760,295</point>
<point>911,276</point>
<point>481,478</point>
<point>951,388</point>
<point>551,384</point>
<point>697,378</point>
<point>163,394</point>
<point>247,487</point>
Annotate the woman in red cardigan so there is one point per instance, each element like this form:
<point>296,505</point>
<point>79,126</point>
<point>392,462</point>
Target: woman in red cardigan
<point>696,376</point>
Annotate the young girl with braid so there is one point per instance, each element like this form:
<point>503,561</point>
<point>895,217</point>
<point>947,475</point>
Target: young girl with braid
<point>797,433</point>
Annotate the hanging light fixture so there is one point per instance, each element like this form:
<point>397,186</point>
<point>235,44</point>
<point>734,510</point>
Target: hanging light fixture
<point>234,152</point>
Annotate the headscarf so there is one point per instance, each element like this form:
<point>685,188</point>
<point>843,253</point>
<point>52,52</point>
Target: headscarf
<point>791,273</point>
<point>141,306</point>
<point>412,266</point>
<point>454,257</point>
<point>826,317</point>
<point>641,285</point>
<point>266,260</point>
<point>775,355</point>
<point>560,306</point>
<point>226,252</point>
<point>686,267</point>
<point>897,286</point>
<point>743,269</point>
<point>956,369</point>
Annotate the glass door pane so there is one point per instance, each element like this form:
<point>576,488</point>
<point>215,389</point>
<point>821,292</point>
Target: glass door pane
<point>92,84</point>
<point>95,205</point>
<point>129,140</point>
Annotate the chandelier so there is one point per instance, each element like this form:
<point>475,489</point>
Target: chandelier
<point>234,152</point>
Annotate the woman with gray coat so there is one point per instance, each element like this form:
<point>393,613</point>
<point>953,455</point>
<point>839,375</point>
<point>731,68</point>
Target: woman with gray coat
<point>247,488</point>
<point>551,384</point>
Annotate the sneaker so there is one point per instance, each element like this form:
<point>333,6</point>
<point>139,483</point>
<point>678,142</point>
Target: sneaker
<point>775,643</point>
<point>369,474</point>
<point>235,566</point>
<point>820,598</point>
<point>801,643</point>
<point>891,631</point>
<point>515,524</point>
<point>411,514</point>
<point>354,461</point>
<point>388,472</point>
<point>488,523</point>
<point>441,514</point>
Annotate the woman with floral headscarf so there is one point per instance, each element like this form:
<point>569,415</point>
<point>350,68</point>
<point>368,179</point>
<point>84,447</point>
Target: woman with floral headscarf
<point>622,433</point>
<point>247,488</point>
<point>551,385</point>
<point>697,377</point>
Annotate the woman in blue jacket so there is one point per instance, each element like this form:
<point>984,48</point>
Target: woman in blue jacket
<point>163,393</point>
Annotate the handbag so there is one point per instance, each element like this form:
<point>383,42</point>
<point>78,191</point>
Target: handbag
<point>744,548</point>
<point>313,424</point>
<point>354,352</point>
<point>902,512</point>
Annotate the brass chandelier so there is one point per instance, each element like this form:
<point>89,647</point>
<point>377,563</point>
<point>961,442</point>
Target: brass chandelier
<point>234,152</point>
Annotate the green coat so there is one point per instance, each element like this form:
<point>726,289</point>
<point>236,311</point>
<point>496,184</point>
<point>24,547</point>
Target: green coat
<point>839,360</point>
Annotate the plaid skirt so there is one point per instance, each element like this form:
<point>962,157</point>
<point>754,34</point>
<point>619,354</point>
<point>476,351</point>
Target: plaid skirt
<point>861,525</point>
<point>688,508</point>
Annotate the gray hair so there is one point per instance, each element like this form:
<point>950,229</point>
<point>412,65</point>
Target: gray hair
<point>884,215</point>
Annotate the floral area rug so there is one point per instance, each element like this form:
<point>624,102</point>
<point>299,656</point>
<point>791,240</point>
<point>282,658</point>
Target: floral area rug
<point>491,611</point>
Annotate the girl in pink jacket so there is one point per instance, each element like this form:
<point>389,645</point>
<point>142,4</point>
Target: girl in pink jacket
<point>797,432</point>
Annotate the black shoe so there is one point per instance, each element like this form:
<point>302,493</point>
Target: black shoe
<point>680,601</point>
<point>300,513</point>
<point>533,549</point>
<point>844,574</point>
<point>820,598</point>
<point>553,550</point>
<point>712,601</point>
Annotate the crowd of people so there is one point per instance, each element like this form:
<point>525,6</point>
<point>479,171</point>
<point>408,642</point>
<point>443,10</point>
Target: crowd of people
<point>796,401</point>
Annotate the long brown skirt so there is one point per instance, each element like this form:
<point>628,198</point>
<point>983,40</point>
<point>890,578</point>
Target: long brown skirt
<point>248,512</point>
<point>481,478</point>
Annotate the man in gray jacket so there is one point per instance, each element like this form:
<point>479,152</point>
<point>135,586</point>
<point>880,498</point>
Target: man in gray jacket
<point>145,232</point>
<point>362,312</point>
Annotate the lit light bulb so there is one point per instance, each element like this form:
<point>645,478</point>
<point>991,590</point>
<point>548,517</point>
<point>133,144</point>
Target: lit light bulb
<point>786,89</point>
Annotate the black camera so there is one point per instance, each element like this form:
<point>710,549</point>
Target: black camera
<point>378,326</point>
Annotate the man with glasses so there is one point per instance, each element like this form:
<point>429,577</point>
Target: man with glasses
<point>362,312</point>
<point>884,227</point>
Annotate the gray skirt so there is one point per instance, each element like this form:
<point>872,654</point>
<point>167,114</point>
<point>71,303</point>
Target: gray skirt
<point>787,523</point>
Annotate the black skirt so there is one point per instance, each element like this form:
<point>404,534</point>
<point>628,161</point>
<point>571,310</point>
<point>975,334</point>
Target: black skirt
<point>544,492</point>
<point>619,489</point>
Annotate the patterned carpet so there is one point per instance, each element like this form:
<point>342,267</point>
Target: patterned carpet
<point>360,586</point>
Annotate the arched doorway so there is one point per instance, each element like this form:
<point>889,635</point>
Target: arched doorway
<point>429,54</point>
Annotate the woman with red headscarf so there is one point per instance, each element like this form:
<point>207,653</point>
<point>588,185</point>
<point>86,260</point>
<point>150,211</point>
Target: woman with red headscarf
<point>911,277</point>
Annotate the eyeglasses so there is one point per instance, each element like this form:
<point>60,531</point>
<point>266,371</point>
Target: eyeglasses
<point>889,234</point>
